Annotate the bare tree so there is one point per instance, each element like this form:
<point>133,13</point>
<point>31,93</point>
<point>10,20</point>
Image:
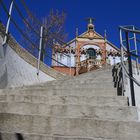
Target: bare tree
<point>54,31</point>
<point>54,23</point>
<point>31,30</point>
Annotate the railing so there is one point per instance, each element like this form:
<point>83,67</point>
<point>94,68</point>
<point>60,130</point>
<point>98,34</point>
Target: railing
<point>22,21</point>
<point>88,65</point>
<point>129,48</point>
<point>117,78</point>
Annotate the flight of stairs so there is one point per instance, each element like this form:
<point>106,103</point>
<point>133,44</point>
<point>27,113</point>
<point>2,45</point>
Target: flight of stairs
<point>82,108</point>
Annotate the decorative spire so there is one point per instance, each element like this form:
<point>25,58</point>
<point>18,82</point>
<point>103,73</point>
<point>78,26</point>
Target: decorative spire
<point>105,36</point>
<point>76,32</point>
<point>90,20</point>
<point>90,23</point>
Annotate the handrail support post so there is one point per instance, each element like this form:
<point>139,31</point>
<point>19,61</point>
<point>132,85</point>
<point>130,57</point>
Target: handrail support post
<point>136,49</point>
<point>40,48</point>
<point>130,69</point>
<point>122,61</point>
<point>8,22</point>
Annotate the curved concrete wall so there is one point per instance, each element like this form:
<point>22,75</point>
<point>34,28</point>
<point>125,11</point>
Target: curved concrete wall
<point>16,72</point>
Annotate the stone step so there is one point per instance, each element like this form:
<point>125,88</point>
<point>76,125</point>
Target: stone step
<point>73,87</point>
<point>94,80</point>
<point>95,86</point>
<point>69,126</point>
<point>65,92</point>
<point>82,111</point>
<point>27,136</point>
<point>77,82</point>
<point>90,79</point>
<point>107,71</point>
<point>74,82</point>
<point>77,100</point>
<point>101,71</point>
<point>79,79</point>
<point>95,75</point>
<point>76,87</point>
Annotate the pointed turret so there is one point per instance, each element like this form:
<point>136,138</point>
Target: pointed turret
<point>90,24</point>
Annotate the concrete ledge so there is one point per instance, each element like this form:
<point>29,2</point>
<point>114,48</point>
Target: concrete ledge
<point>33,136</point>
<point>69,126</point>
<point>30,58</point>
<point>65,92</point>
<point>67,100</point>
<point>70,111</point>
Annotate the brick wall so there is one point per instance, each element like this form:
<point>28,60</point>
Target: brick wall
<point>65,70</point>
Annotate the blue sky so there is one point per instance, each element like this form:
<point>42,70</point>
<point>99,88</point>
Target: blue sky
<point>109,14</point>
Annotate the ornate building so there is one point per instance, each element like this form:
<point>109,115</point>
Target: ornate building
<point>85,52</point>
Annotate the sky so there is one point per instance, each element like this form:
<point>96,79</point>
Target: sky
<point>108,14</point>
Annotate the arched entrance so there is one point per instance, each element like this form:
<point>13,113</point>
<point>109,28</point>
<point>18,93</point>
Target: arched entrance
<point>91,53</point>
<point>88,59</point>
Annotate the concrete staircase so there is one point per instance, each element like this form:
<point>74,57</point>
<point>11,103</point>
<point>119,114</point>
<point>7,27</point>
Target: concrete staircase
<point>82,108</point>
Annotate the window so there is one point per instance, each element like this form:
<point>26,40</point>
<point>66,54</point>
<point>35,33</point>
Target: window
<point>91,53</point>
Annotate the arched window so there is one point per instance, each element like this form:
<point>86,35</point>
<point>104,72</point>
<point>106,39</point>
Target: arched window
<point>91,53</point>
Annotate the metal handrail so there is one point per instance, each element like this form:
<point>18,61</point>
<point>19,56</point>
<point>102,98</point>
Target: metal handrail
<point>129,30</point>
<point>126,49</point>
<point>24,34</point>
<point>136,81</point>
<point>127,72</point>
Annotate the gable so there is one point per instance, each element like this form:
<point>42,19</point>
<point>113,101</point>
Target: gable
<point>85,35</point>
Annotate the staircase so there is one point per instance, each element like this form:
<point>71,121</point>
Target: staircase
<point>85,107</point>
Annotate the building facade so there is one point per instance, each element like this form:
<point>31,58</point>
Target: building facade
<point>85,52</point>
